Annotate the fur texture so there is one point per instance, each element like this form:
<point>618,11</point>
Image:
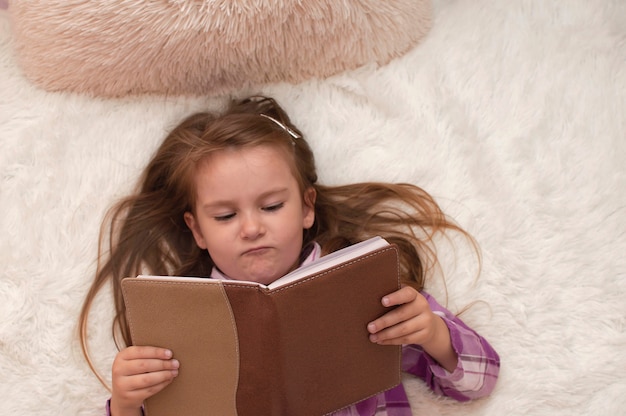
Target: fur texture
<point>512,114</point>
<point>116,48</point>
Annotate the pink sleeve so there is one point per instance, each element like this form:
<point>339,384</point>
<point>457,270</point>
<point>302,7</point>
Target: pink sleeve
<point>477,368</point>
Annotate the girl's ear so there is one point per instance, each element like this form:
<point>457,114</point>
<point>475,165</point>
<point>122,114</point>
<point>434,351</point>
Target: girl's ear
<point>308,208</point>
<point>193,225</point>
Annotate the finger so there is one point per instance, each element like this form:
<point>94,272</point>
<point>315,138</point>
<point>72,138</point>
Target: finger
<point>402,313</point>
<point>404,295</point>
<point>389,319</point>
<point>148,382</point>
<point>143,389</point>
<point>411,331</point>
<point>140,352</point>
<point>151,391</point>
<point>141,366</point>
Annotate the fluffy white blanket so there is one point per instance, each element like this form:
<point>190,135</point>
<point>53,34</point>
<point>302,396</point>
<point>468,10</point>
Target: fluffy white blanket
<point>512,114</point>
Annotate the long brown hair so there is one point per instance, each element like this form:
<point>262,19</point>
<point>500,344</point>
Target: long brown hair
<point>146,232</point>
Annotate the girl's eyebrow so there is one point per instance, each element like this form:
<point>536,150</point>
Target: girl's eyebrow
<point>266,194</point>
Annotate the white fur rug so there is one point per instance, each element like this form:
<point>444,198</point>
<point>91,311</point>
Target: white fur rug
<point>513,114</point>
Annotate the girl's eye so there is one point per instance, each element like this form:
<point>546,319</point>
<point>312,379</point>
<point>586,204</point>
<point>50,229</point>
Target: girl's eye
<point>274,207</point>
<point>224,217</point>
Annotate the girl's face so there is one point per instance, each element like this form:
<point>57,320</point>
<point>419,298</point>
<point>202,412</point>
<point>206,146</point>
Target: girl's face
<point>250,213</point>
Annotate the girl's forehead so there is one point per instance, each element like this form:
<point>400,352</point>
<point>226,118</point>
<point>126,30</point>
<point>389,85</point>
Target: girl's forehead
<point>243,178</point>
<point>253,156</point>
<point>235,171</point>
<point>235,165</point>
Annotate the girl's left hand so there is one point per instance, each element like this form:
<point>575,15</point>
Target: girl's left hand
<point>413,322</point>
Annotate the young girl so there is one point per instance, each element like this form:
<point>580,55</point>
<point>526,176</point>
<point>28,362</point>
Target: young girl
<point>236,196</point>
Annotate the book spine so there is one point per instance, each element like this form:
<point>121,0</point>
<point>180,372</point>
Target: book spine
<point>261,376</point>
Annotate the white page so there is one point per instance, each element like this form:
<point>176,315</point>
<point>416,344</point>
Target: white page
<point>323,263</point>
<point>191,279</point>
<point>330,260</point>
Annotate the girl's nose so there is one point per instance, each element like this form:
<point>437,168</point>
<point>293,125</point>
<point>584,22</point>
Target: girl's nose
<point>251,227</point>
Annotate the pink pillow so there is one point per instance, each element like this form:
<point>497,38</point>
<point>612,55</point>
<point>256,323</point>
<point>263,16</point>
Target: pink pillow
<point>200,47</point>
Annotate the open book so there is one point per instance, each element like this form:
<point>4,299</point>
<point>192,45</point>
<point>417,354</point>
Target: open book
<point>299,346</point>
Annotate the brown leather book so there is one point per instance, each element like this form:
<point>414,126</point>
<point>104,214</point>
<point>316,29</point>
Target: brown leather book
<point>301,348</point>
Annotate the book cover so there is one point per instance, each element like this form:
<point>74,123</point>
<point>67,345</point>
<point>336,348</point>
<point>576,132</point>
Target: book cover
<point>298,348</point>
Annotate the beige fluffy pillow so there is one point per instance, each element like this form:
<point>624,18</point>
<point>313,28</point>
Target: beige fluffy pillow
<point>115,48</point>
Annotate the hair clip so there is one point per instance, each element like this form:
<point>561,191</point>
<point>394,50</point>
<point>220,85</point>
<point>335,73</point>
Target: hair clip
<point>289,130</point>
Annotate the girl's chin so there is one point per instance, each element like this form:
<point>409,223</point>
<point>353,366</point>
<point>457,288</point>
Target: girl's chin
<point>262,272</point>
<point>262,278</point>
<point>264,281</point>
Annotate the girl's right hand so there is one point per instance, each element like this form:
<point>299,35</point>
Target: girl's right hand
<point>138,373</point>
